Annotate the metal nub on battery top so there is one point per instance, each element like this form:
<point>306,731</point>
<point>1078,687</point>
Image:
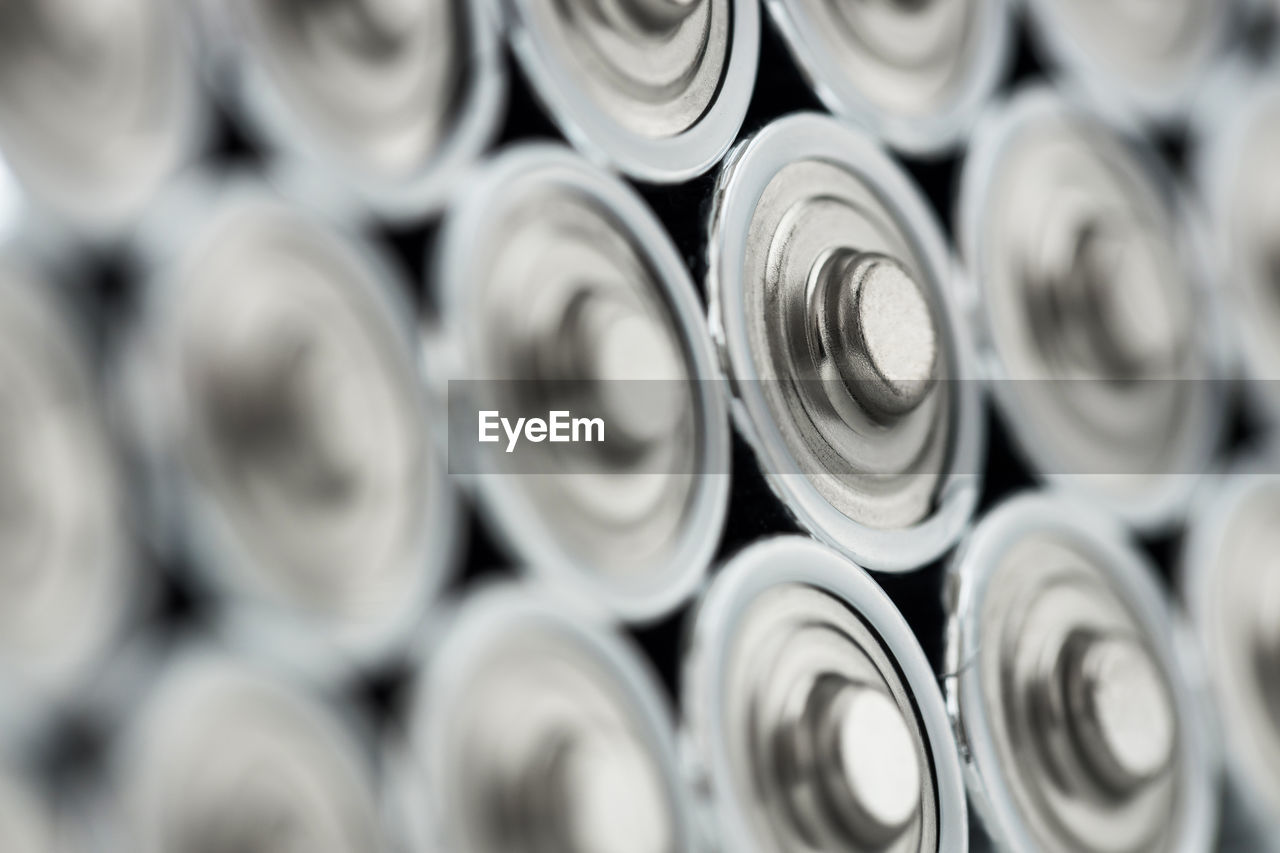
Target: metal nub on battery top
<point>829,300</point>
<point>914,73</point>
<point>281,389</point>
<point>814,720</point>
<point>655,88</point>
<point>97,104</point>
<point>1092,312</point>
<point>561,292</point>
<point>1068,685</point>
<point>545,733</point>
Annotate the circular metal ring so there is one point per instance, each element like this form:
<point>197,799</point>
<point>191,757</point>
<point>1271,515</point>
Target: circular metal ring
<point>899,211</point>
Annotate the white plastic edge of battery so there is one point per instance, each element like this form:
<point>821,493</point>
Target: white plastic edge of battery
<point>182,520</point>
<point>464,228</point>
<point>1164,506</point>
<point>311,172</point>
<point>664,160</point>
<point>1195,577</point>
<point>1125,104</point>
<point>747,171</point>
<point>800,560</point>
<point>919,136</point>
<point>462,634</point>
<point>968,574</point>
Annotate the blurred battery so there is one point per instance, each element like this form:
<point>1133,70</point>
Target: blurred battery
<point>915,74</point>
<point>98,104</point>
<point>386,102</point>
<point>278,400</point>
<point>560,292</point>
<point>814,720</point>
<point>1231,585</point>
<point>1069,691</point>
<point>1134,59</point>
<point>223,754</point>
<point>1094,319</point>
<point>830,285</point>
<point>657,89</point>
<point>544,732</point>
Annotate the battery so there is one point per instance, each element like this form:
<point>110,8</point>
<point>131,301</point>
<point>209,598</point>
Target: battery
<point>540,729</point>
<point>1067,681</point>
<point>915,74</point>
<point>387,103</point>
<point>278,402</point>
<point>1134,59</point>
<point>559,292</point>
<point>98,106</point>
<point>812,717</point>
<point>830,286</point>
<point>656,89</point>
<point>1232,590</point>
<point>1095,324</point>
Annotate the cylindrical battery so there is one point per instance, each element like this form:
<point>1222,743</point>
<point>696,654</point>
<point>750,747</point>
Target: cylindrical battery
<point>813,719</point>
<point>1069,688</point>
<point>387,103</point>
<point>539,729</point>
<point>562,301</point>
<point>831,292</point>
<point>915,74</point>
<point>1091,302</point>
<point>654,88</point>
<point>278,403</point>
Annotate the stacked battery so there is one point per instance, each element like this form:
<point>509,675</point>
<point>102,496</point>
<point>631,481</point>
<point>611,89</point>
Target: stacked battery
<point>639,426</point>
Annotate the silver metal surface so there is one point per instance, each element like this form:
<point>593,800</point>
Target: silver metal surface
<point>281,406</point>
<point>1134,58</point>
<point>98,104</point>
<point>28,823</point>
<point>544,732</point>
<point>389,100</point>
<point>222,755</point>
<point>1231,585</point>
<point>830,302</point>
<point>1094,321</point>
<point>813,719</point>
<point>655,88</point>
<point>1067,684</point>
<point>555,275</point>
<point>914,73</point>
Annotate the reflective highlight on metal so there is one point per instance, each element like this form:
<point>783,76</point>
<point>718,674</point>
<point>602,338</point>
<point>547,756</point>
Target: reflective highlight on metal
<point>655,88</point>
<point>1231,586</point>
<point>813,718</point>
<point>1094,322</point>
<point>222,756</point>
<point>913,72</point>
<point>542,731</point>
<point>98,104</point>
<point>1133,57</point>
<point>67,573</point>
<point>555,277</point>
<point>282,408</point>
<point>1078,725</point>
<point>391,101</point>
<point>829,284</point>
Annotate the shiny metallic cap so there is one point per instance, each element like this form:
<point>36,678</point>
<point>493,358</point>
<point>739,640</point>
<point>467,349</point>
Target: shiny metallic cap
<point>813,717</point>
<point>655,88</point>
<point>560,291</point>
<point>1068,685</point>
<point>1091,309</point>
<point>544,733</point>
<point>915,73</point>
<point>829,284</point>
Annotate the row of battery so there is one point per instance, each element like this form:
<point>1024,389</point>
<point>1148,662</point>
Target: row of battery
<point>286,422</point>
